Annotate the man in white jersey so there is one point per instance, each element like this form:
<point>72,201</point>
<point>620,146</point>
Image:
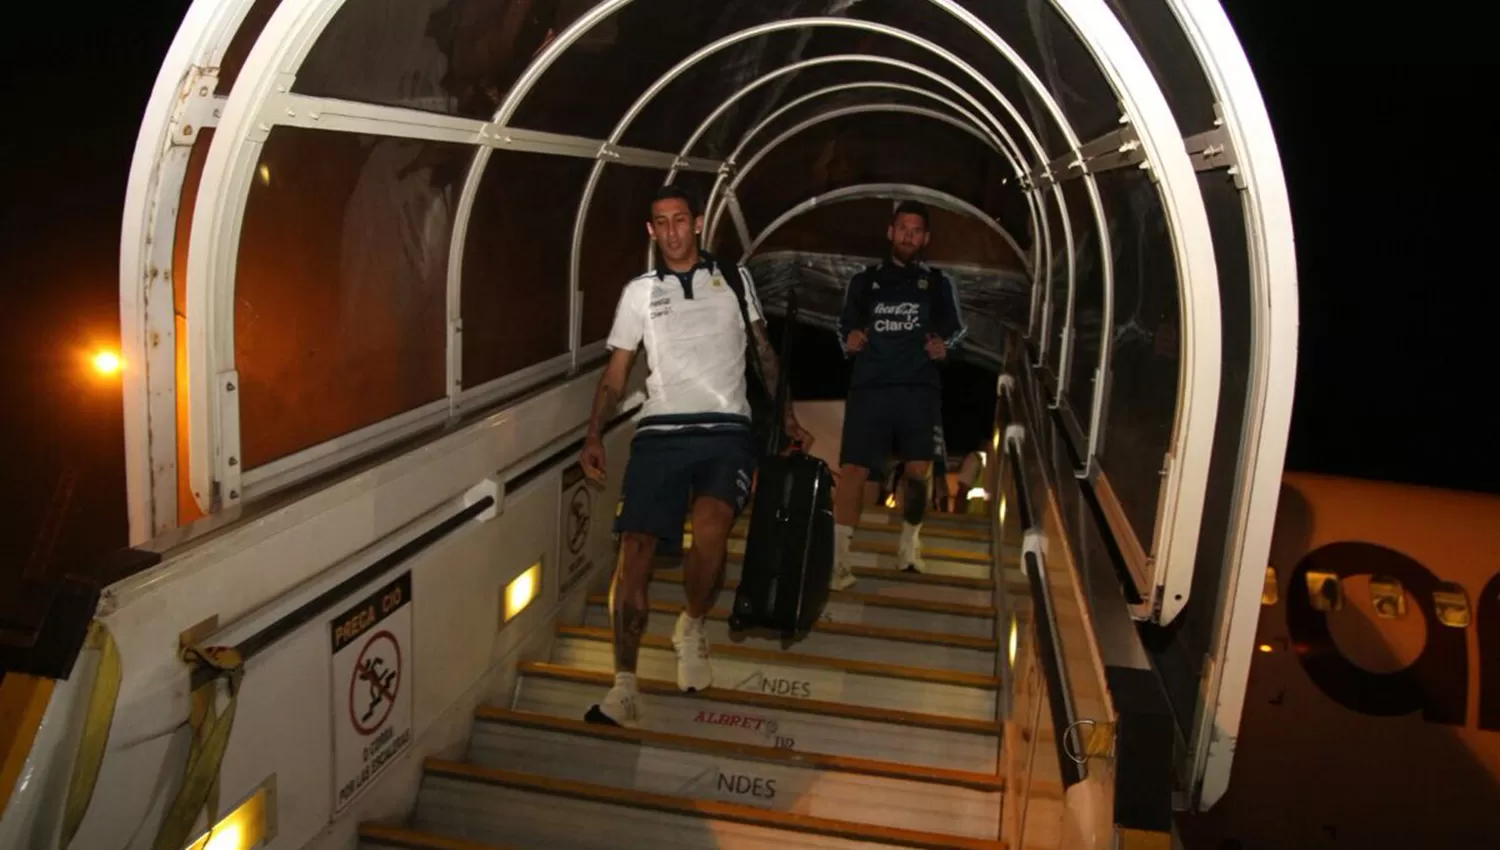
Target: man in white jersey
<point>692,448</point>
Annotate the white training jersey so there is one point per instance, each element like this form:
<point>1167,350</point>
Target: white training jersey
<point>695,342</point>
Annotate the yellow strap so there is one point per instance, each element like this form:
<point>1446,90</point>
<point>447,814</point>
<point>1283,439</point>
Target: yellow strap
<point>95,738</point>
<point>199,790</point>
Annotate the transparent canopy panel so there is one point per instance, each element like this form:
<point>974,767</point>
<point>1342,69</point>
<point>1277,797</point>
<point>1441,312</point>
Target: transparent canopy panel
<point>340,291</point>
<point>1145,379</point>
<point>456,57</point>
<point>517,253</point>
<point>1088,302</point>
<point>615,242</point>
<point>839,153</point>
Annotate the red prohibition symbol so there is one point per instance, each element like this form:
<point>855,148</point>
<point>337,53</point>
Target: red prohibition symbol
<point>382,678</point>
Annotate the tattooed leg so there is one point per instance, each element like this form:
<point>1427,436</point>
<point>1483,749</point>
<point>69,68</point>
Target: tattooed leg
<point>629,604</point>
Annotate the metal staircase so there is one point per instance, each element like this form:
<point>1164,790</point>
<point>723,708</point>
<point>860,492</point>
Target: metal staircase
<point>882,728</point>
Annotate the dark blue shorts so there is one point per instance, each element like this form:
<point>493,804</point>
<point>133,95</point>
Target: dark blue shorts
<point>668,469</point>
<point>905,420</point>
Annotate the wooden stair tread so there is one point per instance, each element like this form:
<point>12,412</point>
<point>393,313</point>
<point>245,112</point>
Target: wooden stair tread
<point>847,711</point>
<point>817,761</point>
<point>972,535</point>
<point>983,644</point>
<point>712,809</point>
<point>885,573</point>
<point>412,839</point>
<point>875,600</point>
<point>798,659</point>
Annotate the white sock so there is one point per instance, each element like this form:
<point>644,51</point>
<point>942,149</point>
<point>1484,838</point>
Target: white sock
<point>843,536</point>
<point>687,625</point>
<point>626,681</point>
<point>909,534</point>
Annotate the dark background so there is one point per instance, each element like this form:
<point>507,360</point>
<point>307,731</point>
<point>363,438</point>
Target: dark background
<point>1372,116</point>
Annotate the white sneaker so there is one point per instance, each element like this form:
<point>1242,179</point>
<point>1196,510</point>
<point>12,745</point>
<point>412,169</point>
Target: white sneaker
<point>691,645</point>
<point>843,576</point>
<point>909,557</point>
<point>620,707</point>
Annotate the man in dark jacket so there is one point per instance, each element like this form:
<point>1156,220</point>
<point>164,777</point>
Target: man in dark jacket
<point>900,319</point>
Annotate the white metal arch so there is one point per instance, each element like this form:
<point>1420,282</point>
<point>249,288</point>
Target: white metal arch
<point>1034,196</point>
<point>994,141</point>
<point>181,104</point>
<point>833,115</point>
<point>896,191</point>
<point>1269,390</point>
<point>768,28</point>
<point>1185,478</point>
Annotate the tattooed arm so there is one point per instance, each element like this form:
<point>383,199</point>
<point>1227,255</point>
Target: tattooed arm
<point>606,399</point>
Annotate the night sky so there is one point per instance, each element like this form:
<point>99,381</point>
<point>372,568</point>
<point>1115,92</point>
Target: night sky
<point>1372,116</point>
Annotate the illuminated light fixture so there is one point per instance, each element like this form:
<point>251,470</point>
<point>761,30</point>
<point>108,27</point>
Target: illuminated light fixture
<point>890,501</point>
<point>264,173</point>
<point>521,590</point>
<point>249,826</point>
<point>978,493</point>
<point>107,363</point>
<point>1015,633</point>
<point>1265,647</point>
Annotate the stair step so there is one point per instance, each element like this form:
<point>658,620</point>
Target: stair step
<point>868,529</point>
<point>878,793</point>
<point>940,560</point>
<point>878,580</point>
<point>373,835</point>
<point>547,812</point>
<point>749,717</point>
<point>867,609</point>
<point>796,675</point>
<point>845,640</point>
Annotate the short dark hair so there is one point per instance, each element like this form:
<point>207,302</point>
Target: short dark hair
<point>670,191</point>
<point>916,208</point>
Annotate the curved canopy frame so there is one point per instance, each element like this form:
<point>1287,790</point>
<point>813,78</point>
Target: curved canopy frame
<point>892,191</point>
<point>262,100</point>
<point>186,100</point>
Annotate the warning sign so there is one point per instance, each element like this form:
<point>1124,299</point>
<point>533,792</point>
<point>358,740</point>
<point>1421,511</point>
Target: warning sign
<point>372,687</point>
<point>575,521</point>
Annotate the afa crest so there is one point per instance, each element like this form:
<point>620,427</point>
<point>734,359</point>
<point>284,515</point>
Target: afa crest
<point>716,282</point>
<point>922,284</point>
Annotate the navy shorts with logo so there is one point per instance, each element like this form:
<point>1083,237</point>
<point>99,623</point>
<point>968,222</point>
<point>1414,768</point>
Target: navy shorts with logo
<point>881,420</point>
<point>668,469</point>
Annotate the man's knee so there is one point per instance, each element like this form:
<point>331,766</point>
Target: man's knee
<point>637,551</point>
<point>711,521</point>
<point>853,473</point>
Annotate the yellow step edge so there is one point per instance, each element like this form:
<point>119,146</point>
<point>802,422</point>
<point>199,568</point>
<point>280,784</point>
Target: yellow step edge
<point>738,530</point>
<point>797,659</point>
<point>709,809</point>
<point>873,600</point>
<point>982,644</point>
<point>660,687</point>
<point>885,573</point>
<point>817,761</point>
<point>411,839</point>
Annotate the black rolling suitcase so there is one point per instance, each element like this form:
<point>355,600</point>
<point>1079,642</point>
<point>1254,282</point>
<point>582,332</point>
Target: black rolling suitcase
<point>788,560</point>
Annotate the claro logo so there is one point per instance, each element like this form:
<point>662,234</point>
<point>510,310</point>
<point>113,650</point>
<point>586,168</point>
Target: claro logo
<point>890,318</point>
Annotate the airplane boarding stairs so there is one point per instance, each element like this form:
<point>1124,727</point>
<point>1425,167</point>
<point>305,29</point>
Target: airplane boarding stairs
<point>881,728</point>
